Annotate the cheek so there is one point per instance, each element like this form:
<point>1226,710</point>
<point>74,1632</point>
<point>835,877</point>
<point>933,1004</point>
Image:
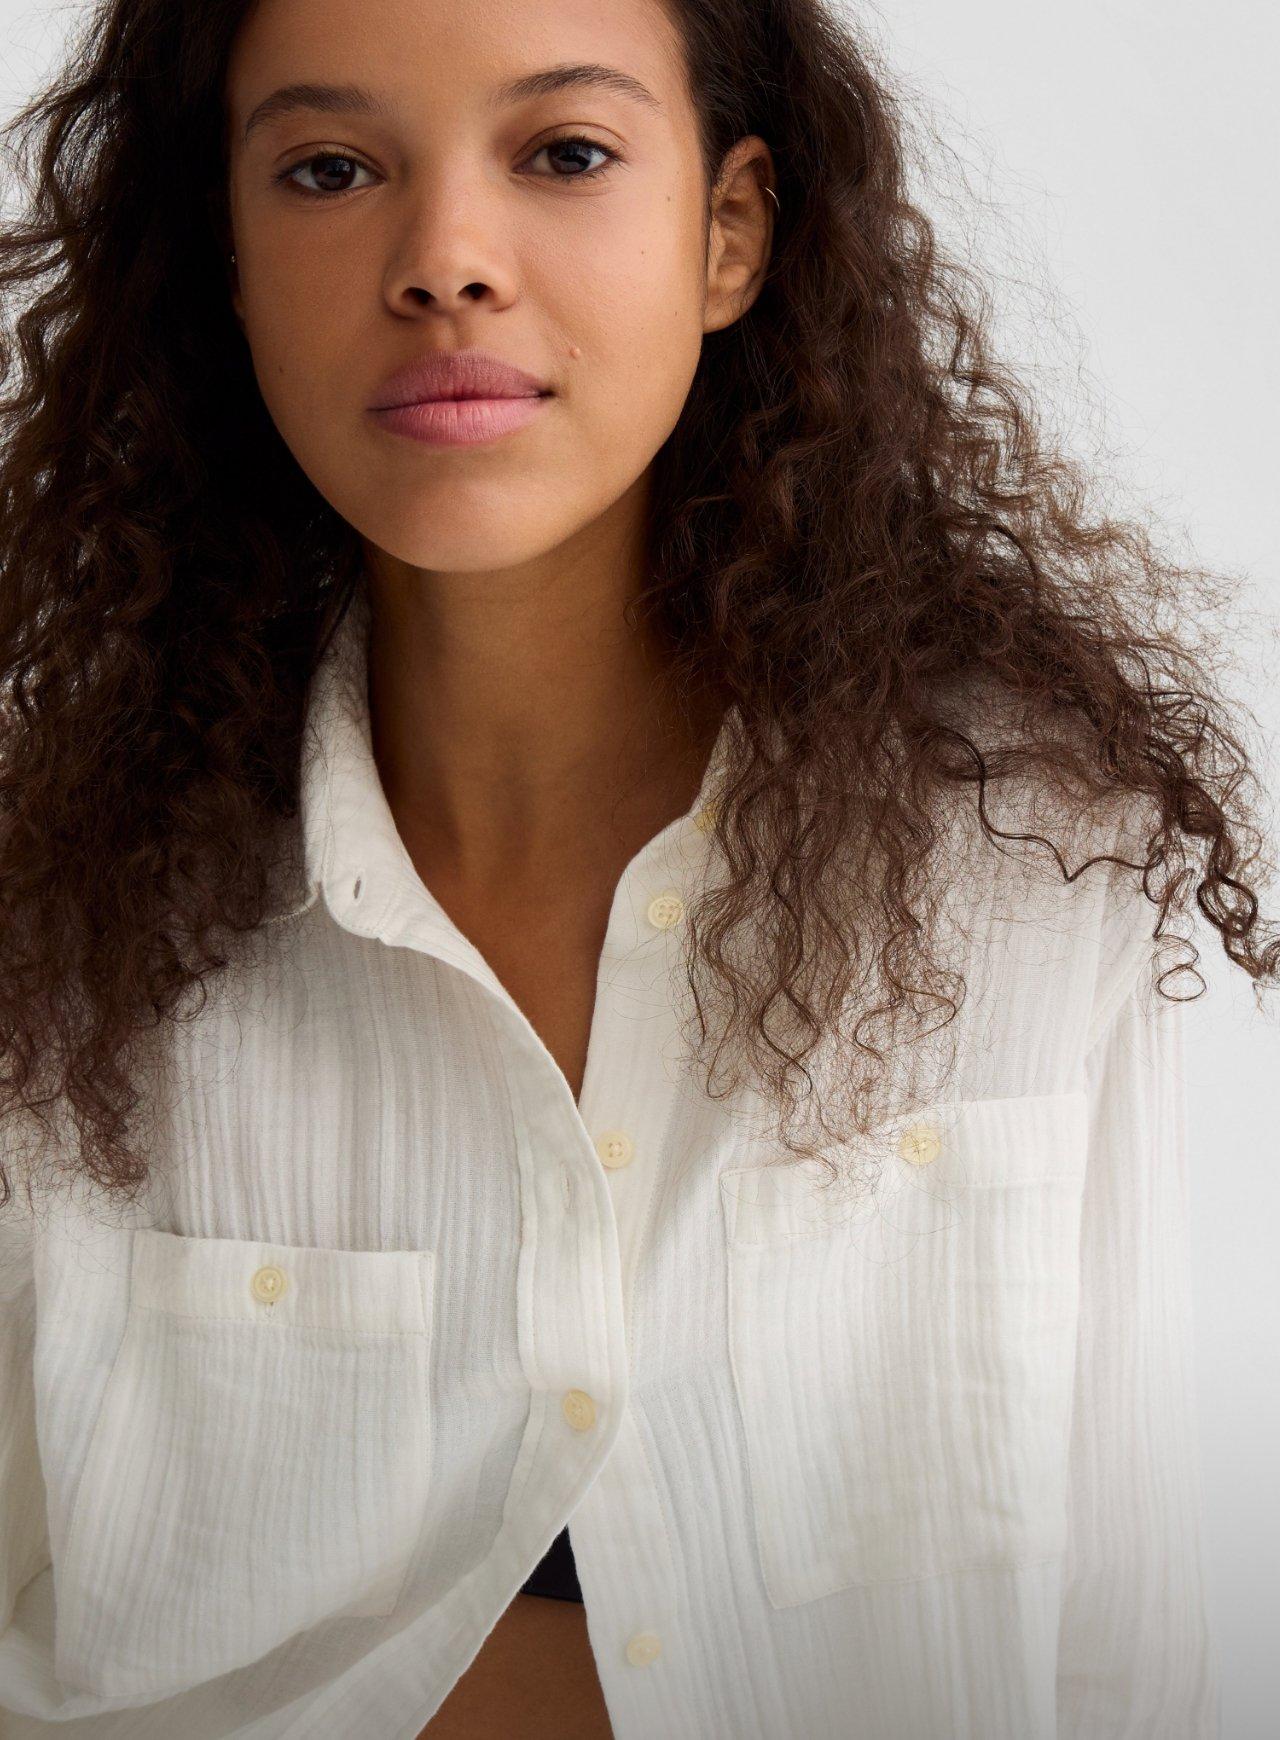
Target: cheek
<point>639,328</point>
<point>297,340</point>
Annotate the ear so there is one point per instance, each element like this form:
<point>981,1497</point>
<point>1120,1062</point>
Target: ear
<point>741,234</point>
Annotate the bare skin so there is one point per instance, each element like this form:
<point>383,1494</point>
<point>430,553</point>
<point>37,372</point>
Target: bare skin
<point>534,1679</point>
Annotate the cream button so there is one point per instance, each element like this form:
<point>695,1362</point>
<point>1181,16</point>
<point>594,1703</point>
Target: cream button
<point>665,910</point>
<point>268,1284</point>
<point>644,1647</point>
<point>615,1148</point>
<point>579,1409</point>
<point>920,1144</point>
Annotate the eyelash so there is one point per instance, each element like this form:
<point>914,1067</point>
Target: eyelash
<point>284,176</point>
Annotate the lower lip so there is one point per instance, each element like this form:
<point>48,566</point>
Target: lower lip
<point>460,422</point>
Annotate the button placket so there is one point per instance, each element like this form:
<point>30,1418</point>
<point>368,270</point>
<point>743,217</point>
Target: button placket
<point>622,1544</point>
<point>622,1507</point>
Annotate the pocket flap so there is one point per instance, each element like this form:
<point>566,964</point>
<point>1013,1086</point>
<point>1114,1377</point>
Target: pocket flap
<point>937,1152</point>
<point>249,1280</point>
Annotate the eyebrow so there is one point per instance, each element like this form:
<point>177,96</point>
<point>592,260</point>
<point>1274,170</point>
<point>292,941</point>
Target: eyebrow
<point>359,100</point>
<point>573,73</point>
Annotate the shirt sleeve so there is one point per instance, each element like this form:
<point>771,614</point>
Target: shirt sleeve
<point>1136,1660</point>
<point>24,1539</point>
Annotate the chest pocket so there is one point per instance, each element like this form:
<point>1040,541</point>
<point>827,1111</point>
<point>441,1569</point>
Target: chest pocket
<point>904,1364</point>
<point>259,1459</point>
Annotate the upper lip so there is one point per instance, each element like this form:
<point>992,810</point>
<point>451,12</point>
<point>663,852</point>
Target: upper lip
<point>457,374</point>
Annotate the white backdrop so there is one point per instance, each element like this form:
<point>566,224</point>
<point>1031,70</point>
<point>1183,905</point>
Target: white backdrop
<point>1114,162</point>
<point>1118,160</point>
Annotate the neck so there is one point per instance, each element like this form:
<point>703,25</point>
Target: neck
<point>516,715</point>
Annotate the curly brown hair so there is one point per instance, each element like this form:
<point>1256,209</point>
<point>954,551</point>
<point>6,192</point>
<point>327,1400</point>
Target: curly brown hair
<point>855,522</point>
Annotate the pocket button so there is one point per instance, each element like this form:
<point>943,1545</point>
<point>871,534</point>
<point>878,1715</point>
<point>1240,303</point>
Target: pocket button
<point>920,1144</point>
<point>268,1284</point>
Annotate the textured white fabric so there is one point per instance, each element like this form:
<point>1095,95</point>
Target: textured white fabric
<point>920,1466</point>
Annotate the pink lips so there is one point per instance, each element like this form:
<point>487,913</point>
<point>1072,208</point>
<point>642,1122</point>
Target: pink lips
<point>458,398</point>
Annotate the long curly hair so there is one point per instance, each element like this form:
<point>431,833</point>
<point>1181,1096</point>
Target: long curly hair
<point>856,520</point>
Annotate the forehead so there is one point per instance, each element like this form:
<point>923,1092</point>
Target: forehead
<point>487,54</point>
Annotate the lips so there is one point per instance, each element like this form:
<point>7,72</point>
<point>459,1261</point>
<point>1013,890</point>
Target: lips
<point>459,374</point>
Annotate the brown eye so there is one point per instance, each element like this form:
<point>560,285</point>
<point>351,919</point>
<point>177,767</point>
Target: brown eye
<point>332,170</point>
<point>572,148</point>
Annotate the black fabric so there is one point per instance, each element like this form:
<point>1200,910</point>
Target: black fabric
<point>555,1574</point>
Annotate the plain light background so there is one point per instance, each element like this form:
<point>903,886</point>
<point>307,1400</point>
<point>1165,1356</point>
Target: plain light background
<point>1117,162</point>
<point>1112,167</point>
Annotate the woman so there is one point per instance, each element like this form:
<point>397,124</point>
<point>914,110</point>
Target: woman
<point>406,796</point>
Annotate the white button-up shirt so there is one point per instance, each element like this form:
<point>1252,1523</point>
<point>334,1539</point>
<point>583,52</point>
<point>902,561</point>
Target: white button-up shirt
<point>280,1441</point>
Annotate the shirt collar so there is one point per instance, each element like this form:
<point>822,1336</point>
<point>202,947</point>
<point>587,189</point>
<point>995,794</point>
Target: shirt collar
<point>353,852</point>
<point>331,747</point>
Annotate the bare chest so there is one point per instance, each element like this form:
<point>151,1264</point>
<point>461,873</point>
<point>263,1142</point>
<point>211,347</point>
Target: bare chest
<point>546,953</point>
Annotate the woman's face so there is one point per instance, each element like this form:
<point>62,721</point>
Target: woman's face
<point>560,229</point>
